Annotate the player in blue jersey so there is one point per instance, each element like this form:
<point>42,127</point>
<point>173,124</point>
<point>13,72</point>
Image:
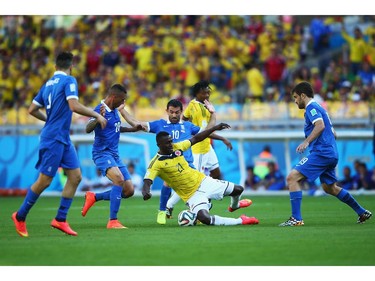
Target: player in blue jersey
<point>320,137</point>
<point>59,97</point>
<point>106,156</point>
<point>180,130</point>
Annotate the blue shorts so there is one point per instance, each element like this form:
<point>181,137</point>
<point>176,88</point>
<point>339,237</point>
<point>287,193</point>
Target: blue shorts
<point>104,161</point>
<point>54,154</point>
<point>314,166</point>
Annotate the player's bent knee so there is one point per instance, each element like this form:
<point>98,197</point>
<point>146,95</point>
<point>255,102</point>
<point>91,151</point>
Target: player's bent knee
<point>237,190</point>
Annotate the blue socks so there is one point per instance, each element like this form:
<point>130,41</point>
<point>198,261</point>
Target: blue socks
<point>165,193</point>
<point>296,201</point>
<point>27,204</point>
<point>62,212</point>
<point>115,201</point>
<point>347,198</point>
<point>103,195</point>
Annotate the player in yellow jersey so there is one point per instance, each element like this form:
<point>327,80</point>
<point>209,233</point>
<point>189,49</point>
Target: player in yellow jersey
<point>205,159</point>
<point>194,187</point>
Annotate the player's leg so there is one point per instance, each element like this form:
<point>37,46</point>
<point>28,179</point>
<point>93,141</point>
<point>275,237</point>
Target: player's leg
<point>212,164</point>
<point>119,185</point>
<point>165,193</point>
<point>295,194</point>
<point>216,190</point>
<point>102,165</point>
<point>344,196</point>
<point>71,166</point>
<point>32,196</point>
<point>172,201</point>
<point>235,195</point>
<point>308,168</point>
<point>50,155</point>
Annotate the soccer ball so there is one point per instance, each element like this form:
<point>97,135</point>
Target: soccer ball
<point>187,218</point>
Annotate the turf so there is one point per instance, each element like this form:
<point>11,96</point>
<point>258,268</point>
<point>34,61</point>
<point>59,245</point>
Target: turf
<point>330,237</point>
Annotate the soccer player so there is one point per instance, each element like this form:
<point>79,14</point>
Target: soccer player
<point>194,187</point>
<point>59,97</point>
<point>205,158</point>
<point>106,157</point>
<point>320,137</point>
<point>179,130</point>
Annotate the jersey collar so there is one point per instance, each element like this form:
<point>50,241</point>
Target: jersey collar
<point>311,101</point>
<point>180,122</point>
<point>60,72</point>
<point>106,106</point>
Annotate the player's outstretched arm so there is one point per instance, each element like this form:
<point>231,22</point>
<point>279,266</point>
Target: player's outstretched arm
<point>204,134</point>
<point>146,189</point>
<point>131,119</point>
<point>131,129</point>
<point>76,107</point>
<point>224,140</point>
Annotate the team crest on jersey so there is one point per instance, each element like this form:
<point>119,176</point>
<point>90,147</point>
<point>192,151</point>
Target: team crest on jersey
<point>313,112</point>
<point>177,152</point>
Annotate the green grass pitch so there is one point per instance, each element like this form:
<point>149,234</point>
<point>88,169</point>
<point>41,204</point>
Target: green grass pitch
<point>330,237</point>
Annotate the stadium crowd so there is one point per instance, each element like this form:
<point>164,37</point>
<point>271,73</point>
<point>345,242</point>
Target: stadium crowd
<point>248,59</point>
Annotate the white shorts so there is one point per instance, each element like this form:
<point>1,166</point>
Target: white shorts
<point>206,162</point>
<point>210,188</point>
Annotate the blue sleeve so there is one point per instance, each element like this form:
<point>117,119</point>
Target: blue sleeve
<point>155,126</point>
<point>71,87</point>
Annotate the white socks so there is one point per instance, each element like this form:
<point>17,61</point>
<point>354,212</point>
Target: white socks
<point>226,221</point>
<point>172,201</point>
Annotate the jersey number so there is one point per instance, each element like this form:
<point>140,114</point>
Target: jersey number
<point>175,135</point>
<point>49,101</point>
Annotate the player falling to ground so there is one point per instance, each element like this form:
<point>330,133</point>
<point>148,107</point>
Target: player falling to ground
<point>179,130</point>
<point>59,97</point>
<point>106,156</point>
<point>194,187</point>
<point>320,136</point>
<point>205,159</point>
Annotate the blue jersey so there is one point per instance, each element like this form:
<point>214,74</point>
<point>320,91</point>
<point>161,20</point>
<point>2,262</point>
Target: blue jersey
<point>53,96</point>
<point>325,144</point>
<point>180,131</point>
<point>107,139</point>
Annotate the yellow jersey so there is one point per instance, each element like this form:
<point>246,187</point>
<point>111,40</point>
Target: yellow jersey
<point>199,116</point>
<point>175,171</point>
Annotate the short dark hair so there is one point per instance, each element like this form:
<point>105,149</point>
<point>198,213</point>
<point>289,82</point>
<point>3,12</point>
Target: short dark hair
<point>117,89</point>
<point>174,103</point>
<point>303,88</point>
<point>64,60</point>
<point>197,87</point>
<point>161,135</point>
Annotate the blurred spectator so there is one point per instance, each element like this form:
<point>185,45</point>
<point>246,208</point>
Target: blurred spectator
<point>255,82</point>
<point>319,32</point>
<point>363,177</point>
<point>275,69</point>
<point>99,182</point>
<point>252,181</point>
<point>136,179</point>
<point>357,49</point>
<point>347,182</point>
<point>261,162</point>
<point>274,180</point>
